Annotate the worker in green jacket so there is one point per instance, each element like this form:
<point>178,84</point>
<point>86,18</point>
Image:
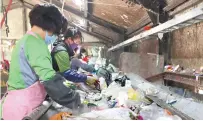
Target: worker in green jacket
<point>62,54</point>
<point>31,75</point>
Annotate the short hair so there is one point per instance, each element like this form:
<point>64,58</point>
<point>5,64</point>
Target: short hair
<point>82,50</point>
<point>73,33</point>
<point>48,17</point>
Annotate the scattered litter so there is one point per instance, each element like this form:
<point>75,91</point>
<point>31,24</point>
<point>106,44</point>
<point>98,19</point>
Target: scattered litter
<point>110,114</point>
<point>102,83</point>
<point>153,112</point>
<point>152,91</point>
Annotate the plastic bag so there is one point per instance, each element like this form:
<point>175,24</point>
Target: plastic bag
<point>110,114</point>
<point>175,117</point>
<point>152,112</point>
<point>122,99</point>
<point>102,83</point>
<point>133,95</point>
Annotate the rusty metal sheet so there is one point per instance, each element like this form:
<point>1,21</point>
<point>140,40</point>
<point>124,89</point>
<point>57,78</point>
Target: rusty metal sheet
<point>145,65</point>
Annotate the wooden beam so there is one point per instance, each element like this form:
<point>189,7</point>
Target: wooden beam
<point>86,10</point>
<point>145,20</point>
<point>90,17</point>
<point>139,30</point>
<point>141,23</point>
<point>99,36</point>
<point>15,5</point>
<point>191,14</point>
<point>28,5</point>
<point>174,4</point>
<point>184,6</point>
<point>94,44</point>
<point>25,28</point>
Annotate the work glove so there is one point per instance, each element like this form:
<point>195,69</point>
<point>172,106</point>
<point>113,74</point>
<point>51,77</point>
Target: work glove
<point>91,80</point>
<point>61,116</point>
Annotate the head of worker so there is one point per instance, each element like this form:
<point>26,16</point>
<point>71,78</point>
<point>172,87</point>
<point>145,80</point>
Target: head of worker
<point>73,37</point>
<point>47,21</point>
<point>83,52</point>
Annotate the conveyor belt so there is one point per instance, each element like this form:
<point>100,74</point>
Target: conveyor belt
<point>173,110</point>
<point>185,108</point>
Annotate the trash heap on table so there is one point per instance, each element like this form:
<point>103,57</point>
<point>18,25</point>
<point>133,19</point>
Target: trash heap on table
<point>118,100</point>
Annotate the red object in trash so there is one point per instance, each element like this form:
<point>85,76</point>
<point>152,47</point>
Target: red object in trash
<point>86,59</point>
<point>147,28</point>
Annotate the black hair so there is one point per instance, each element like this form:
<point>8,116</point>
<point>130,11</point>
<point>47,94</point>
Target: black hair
<point>65,25</point>
<point>48,17</point>
<point>76,49</point>
<point>73,33</point>
<point>82,50</point>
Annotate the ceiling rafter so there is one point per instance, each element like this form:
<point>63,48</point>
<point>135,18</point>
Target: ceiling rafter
<point>146,19</point>
<point>105,39</point>
<point>91,18</point>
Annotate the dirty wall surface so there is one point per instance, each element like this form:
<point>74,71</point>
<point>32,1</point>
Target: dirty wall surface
<point>187,46</point>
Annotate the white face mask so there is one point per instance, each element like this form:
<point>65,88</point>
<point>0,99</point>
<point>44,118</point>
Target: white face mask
<point>78,50</point>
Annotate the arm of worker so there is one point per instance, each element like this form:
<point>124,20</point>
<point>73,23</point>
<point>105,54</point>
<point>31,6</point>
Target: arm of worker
<point>40,60</point>
<point>76,63</point>
<point>62,59</point>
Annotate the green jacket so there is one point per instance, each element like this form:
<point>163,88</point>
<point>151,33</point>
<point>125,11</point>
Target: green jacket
<point>30,62</point>
<point>62,60</point>
<point>61,54</point>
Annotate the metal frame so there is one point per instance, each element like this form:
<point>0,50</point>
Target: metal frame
<point>195,14</point>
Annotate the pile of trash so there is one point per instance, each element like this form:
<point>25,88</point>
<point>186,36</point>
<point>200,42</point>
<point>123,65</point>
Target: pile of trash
<point>116,98</point>
<point>119,101</point>
<point>180,69</point>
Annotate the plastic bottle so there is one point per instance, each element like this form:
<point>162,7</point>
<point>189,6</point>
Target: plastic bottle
<point>102,83</point>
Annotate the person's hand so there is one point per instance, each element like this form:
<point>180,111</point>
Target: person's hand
<point>91,80</point>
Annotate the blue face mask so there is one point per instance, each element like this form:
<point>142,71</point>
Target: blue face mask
<point>50,39</point>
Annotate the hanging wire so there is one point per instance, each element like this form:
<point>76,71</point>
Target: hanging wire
<point>63,7</point>
<point>105,4</point>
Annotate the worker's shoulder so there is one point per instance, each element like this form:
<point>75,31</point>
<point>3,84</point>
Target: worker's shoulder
<point>34,41</point>
<point>59,48</point>
<point>61,54</point>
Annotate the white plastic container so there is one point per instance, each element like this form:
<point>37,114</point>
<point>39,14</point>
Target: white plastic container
<point>102,83</point>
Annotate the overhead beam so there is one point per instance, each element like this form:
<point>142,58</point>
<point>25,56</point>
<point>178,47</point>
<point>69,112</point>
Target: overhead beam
<point>25,27</point>
<point>174,4</point>
<point>28,5</point>
<point>139,30</point>
<point>141,23</point>
<point>86,10</point>
<point>99,36</point>
<point>184,6</point>
<point>146,19</point>
<point>93,44</point>
<point>90,18</point>
<point>15,5</point>
<point>196,11</point>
